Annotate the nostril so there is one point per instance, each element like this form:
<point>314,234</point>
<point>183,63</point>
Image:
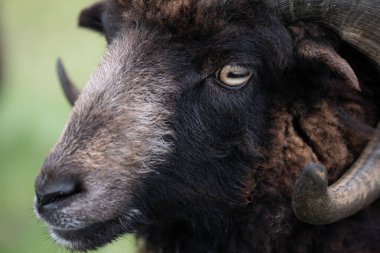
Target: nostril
<point>56,190</point>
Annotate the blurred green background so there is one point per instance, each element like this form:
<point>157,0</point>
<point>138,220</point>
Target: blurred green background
<point>33,109</point>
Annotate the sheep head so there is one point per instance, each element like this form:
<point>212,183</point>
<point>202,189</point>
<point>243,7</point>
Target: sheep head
<point>171,123</point>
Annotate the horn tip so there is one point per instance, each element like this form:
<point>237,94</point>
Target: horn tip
<point>59,63</point>
<point>66,84</point>
<point>59,66</point>
<point>312,183</point>
<point>310,187</point>
<point>315,174</point>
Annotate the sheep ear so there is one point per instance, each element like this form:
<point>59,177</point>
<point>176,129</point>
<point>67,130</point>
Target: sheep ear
<point>91,17</point>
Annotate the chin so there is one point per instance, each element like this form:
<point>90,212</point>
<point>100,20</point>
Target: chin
<point>91,237</point>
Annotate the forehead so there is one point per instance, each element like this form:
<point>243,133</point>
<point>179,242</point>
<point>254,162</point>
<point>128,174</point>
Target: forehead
<point>185,19</point>
<point>190,27</point>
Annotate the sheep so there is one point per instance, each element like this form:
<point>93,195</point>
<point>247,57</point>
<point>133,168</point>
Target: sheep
<point>214,126</point>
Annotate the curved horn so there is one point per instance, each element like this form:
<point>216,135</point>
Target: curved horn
<point>357,23</point>
<point>68,87</point>
<point>316,203</point>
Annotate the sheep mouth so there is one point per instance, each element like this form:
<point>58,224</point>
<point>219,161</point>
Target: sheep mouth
<point>91,237</point>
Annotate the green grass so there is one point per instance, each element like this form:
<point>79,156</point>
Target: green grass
<point>33,109</point>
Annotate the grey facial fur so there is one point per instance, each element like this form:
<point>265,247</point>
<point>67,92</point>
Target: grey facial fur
<point>117,131</point>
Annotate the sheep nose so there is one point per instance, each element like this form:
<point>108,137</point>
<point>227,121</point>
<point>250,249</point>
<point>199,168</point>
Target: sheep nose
<point>51,192</point>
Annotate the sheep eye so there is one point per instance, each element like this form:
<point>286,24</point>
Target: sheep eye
<point>233,76</point>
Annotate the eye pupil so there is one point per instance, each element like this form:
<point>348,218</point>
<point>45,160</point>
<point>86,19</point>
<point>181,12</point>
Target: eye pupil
<point>234,75</point>
<point>237,75</point>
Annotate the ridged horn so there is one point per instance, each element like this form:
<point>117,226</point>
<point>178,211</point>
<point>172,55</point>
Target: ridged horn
<point>316,203</point>
<point>357,23</point>
<point>71,92</point>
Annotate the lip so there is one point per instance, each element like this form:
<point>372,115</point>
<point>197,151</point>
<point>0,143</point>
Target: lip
<point>90,237</point>
<point>83,235</point>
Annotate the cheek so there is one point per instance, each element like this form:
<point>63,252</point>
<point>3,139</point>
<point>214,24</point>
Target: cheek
<point>218,99</point>
<point>214,110</point>
<point>208,164</point>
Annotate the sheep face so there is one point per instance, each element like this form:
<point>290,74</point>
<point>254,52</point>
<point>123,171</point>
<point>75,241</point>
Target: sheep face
<point>168,126</point>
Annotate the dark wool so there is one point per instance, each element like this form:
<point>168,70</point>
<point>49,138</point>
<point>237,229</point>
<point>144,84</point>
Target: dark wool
<point>307,115</point>
<point>227,185</point>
